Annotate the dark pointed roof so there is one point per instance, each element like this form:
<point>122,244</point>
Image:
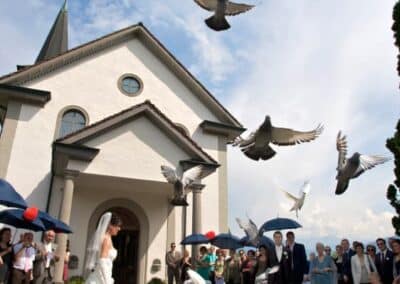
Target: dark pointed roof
<point>57,40</point>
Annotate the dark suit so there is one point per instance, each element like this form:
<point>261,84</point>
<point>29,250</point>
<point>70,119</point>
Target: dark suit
<point>298,261</point>
<point>282,276</point>
<point>385,267</point>
<point>347,265</point>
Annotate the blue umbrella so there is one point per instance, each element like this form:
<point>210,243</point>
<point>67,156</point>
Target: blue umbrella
<point>51,223</point>
<point>226,241</point>
<point>15,218</point>
<point>195,239</point>
<point>10,197</point>
<point>263,241</point>
<point>280,224</point>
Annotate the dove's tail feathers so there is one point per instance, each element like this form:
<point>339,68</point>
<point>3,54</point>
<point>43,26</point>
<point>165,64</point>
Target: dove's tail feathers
<point>257,154</point>
<point>341,187</point>
<point>217,24</point>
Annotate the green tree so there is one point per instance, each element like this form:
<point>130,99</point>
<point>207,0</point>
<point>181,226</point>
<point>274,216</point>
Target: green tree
<point>393,144</point>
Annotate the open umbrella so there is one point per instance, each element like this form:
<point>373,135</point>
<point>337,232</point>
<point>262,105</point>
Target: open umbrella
<point>263,241</point>
<point>195,239</point>
<point>280,224</point>
<point>226,241</point>
<point>15,218</point>
<point>10,197</point>
<point>51,223</point>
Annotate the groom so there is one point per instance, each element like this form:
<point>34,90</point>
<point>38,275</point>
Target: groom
<point>173,259</point>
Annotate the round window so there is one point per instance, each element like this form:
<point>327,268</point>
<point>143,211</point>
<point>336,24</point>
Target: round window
<point>130,84</point>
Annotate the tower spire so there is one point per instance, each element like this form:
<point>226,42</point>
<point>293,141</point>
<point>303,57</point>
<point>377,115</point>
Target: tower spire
<point>57,40</point>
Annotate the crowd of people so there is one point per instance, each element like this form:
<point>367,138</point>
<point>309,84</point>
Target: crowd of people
<point>27,261</point>
<point>355,264</point>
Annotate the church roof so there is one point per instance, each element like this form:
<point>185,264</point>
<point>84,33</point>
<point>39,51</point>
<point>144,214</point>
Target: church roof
<point>153,113</point>
<point>150,41</point>
<point>56,42</point>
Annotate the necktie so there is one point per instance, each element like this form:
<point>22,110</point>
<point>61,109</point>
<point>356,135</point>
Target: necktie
<point>26,264</point>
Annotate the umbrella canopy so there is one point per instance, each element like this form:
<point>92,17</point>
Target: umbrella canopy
<point>51,223</point>
<point>263,241</point>
<point>15,218</point>
<point>280,224</point>
<point>10,197</point>
<point>226,241</point>
<point>195,239</point>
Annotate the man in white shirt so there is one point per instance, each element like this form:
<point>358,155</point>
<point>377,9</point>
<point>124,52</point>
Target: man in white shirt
<point>45,259</point>
<point>24,255</point>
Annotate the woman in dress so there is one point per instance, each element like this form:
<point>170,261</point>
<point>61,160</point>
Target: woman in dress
<point>6,254</point>
<point>185,266</point>
<point>339,264</point>
<point>204,264</point>
<point>219,267</point>
<point>322,268</point>
<point>101,252</point>
<point>362,267</point>
<point>247,268</point>
<point>263,263</point>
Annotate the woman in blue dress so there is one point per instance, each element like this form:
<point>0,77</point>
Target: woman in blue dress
<point>322,268</point>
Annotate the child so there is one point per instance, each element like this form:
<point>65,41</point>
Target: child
<point>219,268</point>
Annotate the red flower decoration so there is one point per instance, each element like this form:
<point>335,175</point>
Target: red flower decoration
<point>210,235</point>
<point>30,214</point>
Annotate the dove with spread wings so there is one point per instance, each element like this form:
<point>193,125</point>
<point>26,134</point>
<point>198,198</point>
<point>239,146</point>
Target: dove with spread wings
<point>183,182</point>
<point>222,8</point>
<point>353,167</point>
<point>257,145</point>
<point>299,200</point>
<point>251,230</point>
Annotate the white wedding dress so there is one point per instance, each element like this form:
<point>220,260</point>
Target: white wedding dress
<point>102,273</point>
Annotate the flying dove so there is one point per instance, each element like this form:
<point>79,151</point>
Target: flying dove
<point>299,201</point>
<point>264,276</point>
<point>350,168</point>
<point>256,145</point>
<point>222,8</point>
<point>182,183</point>
<point>251,230</point>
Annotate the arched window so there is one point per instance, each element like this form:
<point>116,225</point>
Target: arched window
<point>71,121</point>
<point>3,111</point>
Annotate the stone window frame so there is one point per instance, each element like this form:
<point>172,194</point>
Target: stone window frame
<point>134,76</point>
<point>64,111</point>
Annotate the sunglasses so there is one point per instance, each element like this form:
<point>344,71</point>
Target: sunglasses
<point>370,249</point>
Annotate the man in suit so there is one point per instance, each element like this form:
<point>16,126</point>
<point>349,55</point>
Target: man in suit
<point>173,259</point>
<point>43,266</point>
<point>280,256</point>
<point>384,262</point>
<point>347,254</point>
<point>298,259</point>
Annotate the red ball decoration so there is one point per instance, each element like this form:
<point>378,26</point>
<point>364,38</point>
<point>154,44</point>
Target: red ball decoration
<point>30,214</point>
<point>210,235</point>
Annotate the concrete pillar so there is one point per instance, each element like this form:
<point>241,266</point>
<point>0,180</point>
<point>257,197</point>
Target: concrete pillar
<point>65,214</point>
<point>196,215</point>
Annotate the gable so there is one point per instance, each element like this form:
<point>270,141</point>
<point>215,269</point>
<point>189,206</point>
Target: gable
<point>190,86</point>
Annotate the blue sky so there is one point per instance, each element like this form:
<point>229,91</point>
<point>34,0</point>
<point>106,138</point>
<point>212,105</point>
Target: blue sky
<point>302,62</point>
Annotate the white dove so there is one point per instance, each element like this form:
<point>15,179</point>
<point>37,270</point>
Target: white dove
<point>251,230</point>
<point>196,278</point>
<point>182,183</point>
<point>299,201</point>
<point>264,276</point>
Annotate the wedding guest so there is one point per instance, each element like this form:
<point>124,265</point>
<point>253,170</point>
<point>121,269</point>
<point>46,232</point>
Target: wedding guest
<point>24,255</point>
<point>339,264</point>
<point>66,261</point>
<point>219,268</point>
<point>280,256</point>
<point>347,255</point>
<point>396,260</point>
<point>263,262</point>
<point>5,254</point>
<point>371,251</point>
<point>185,266</point>
<point>384,262</point>
<point>43,268</point>
<point>298,259</point>
<point>173,258</point>
<point>232,268</point>
<point>213,259</point>
<point>204,263</point>
<point>362,266</point>
<point>247,267</point>
<point>328,250</point>
<point>322,268</point>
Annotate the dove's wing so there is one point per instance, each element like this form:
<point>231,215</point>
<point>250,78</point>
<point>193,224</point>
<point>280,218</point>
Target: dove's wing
<point>209,5</point>
<point>290,196</point>
<point>195,277</point>
<point>233,9</point>
<point>273,269</point>
<point>286,136</point>
<point>249,228</point>
<point>169,174</point>
<point>195,173</point>
<point>341,146</point>
<point>368,162</point>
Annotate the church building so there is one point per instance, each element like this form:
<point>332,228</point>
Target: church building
<point>85,131</point>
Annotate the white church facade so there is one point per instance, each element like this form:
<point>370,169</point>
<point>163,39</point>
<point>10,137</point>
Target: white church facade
<point>85,131</point>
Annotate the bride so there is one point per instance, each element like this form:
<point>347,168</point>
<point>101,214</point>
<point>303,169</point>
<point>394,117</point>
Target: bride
<point>101,252</point>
